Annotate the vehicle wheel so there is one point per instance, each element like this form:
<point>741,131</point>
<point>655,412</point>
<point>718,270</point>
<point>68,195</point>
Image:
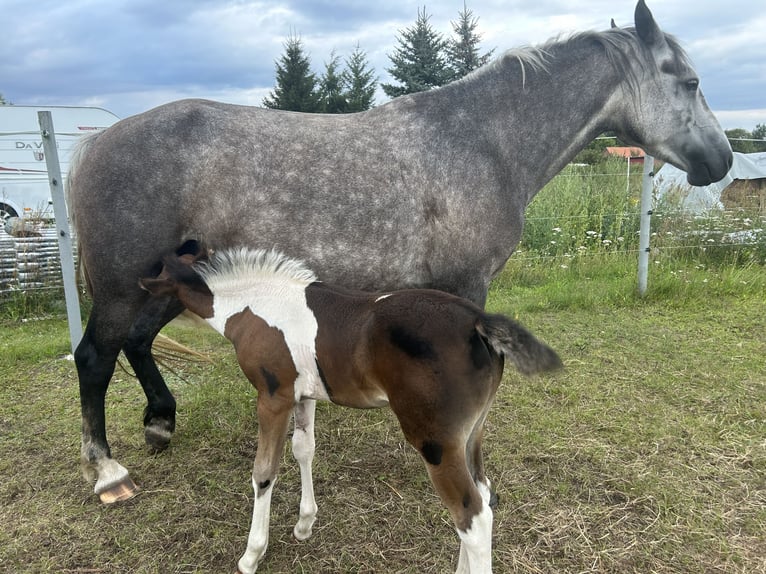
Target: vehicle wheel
<point>6,212</point>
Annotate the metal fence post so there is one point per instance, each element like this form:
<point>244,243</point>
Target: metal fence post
<point>62,227</point>
<point>647,186</point>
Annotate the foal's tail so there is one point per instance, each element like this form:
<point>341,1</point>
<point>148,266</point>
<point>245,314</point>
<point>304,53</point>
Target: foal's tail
<point>510,339</point>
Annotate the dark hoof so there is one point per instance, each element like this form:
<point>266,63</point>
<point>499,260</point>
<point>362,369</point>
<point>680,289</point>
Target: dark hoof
<point>157,437</point>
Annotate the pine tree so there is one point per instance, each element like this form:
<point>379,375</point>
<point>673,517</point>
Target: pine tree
<point>332,96</point>
<point>2,100</point>
<point>360,82</point>
<point>418,61</point>
<point>463,50</point>
<point>296,88</point>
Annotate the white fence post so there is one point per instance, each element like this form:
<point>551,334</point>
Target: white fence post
<point>647,186</point>
<point>62,228</point>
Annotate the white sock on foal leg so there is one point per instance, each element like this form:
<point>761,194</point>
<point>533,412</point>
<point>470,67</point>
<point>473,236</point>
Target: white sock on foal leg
<point>303,450</point>
<point>258,539</point>
<point>476,542</point>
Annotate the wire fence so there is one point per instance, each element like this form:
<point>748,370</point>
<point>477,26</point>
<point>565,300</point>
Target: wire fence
<point>726,231</point>
<point>582,213</point>
<point>594,211</point>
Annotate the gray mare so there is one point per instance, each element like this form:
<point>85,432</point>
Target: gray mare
<point>427,190</point>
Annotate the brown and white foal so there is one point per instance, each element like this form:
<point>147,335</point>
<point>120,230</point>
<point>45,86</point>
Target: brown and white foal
<point>436,359</point>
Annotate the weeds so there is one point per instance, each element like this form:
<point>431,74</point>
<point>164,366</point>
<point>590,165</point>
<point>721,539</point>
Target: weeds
<point>582,213</point>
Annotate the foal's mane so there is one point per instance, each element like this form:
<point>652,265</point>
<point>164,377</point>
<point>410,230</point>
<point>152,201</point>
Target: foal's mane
<point>241,267</point>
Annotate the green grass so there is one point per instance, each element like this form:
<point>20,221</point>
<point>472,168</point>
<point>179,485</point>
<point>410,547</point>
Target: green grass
<point>646,454</point>
<point>610,279</point>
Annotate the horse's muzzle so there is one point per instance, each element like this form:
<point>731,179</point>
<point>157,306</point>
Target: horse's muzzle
<point>710,170</point>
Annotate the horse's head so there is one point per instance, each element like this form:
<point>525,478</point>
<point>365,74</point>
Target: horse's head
<point>666,113</point>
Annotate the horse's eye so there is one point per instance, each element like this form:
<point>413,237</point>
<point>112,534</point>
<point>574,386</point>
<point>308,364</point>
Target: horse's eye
<point>692,85</point>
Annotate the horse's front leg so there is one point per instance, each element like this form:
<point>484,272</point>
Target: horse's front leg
<point>304,446</point>
<point>273,424</point>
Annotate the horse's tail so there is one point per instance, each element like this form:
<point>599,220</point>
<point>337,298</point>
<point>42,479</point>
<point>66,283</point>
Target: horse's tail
<point>78,153</point>
<point>510,339</point>
<point>164,349</point>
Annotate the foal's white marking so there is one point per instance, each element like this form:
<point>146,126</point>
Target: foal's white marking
<point>274,288</point>
<point>476,542</point>
<point>386,296</point>
<point>258,539</point>
<point>304,447</point>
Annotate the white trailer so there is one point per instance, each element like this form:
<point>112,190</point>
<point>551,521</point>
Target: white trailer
<point>24,187</point>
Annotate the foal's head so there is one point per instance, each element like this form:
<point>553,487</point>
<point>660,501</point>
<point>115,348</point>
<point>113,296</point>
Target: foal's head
<point>179,279</point>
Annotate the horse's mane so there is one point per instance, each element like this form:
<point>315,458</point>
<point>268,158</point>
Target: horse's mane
<point>241,267</point>
<point>622,46</point>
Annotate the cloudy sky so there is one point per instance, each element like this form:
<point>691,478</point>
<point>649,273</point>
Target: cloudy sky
<point>131,55</point>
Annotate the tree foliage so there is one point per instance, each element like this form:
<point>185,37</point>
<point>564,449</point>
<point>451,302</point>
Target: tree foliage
<point>336,91</point>
<point>463,54</point>
<point>418,62</point>
<point>359,81</point>
<point>595,152</point>
<point>2,101</point>
<point>742,140</point>
<point>296,88</point>
<point>331,92</point>
<point>422,60</point>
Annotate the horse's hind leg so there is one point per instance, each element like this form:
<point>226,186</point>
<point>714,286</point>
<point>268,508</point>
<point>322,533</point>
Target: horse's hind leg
<point>95,358</point>
<point>304,446</point>
<point>160,413</point>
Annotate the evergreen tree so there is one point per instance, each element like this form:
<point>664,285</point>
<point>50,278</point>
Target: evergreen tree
<point>418,61</point>
<point>2,101</point>
<point>463,50</point>
<point>296,88</point>
<point>331,90</point>
<point>360,82</point>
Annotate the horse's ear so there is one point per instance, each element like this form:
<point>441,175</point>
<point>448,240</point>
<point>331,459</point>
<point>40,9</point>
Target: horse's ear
<point>613,24</point>
<point>646,27</point>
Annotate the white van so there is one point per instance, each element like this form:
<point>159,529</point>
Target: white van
<point>24,187</point>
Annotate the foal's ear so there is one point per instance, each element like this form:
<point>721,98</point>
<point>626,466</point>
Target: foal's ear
<point>158,285</point>
<point>646,27</point>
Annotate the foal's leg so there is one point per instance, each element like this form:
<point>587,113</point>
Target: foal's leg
<point>304,446</point>
<point>468,503</point>
<point>475,462</point>
<point>160,413</point>
<point>463,563</point>
<point>273,424</point>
